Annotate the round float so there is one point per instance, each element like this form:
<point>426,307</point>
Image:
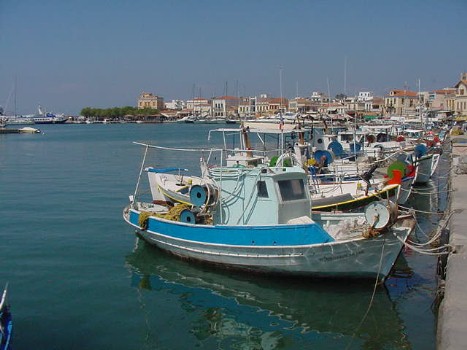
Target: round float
<point>380,214</point>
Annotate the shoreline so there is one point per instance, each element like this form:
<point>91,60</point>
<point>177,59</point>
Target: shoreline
<point>452,311</point>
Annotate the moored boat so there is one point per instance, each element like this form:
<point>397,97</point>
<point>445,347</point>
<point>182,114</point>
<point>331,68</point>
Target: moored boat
<point>48,118</point>
<point>6,323</point>
<point>427,161</point>
<point>29,130</point>
<point>258,219</point>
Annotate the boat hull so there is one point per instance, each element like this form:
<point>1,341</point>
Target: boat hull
<point>50,121</point>
<point>6,323</point>
<point>348,202</point>
<point>424,171</point>
<point>234,248</point>
<point>405,189</point>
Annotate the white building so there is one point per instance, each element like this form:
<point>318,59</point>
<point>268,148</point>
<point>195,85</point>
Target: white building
<point>175,104</point>
<point>364,96</point>
<point>224,105</point>
<point>318,97</point>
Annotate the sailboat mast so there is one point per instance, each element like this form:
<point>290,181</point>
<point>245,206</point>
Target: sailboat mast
<point>329,101</point>
<point>345,76</point>
<point>280,88</point>
<point>420,104</point>
<point>16,80</point>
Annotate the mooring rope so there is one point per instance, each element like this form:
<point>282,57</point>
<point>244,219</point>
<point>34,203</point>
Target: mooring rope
<point>436,251</point>
<point>414,190</point>
<point>372,296</point>
<point>426,235</point>
<point>419,211</point>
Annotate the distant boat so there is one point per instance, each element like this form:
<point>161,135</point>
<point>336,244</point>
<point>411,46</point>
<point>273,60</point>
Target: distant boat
<point>188,119</point>
<point>14,118</point>
<point>48,118</point>
<point>18,120</point>
<point>29,130</point>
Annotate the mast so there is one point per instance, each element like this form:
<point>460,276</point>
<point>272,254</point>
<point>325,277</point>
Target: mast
<point>420,104</point>
<point>15,95</point>
<point>329,100</point>
<point>345,76</point>
<point>280,88</point>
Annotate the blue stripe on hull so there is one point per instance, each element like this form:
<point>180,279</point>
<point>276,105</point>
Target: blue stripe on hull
<point>277,235</point>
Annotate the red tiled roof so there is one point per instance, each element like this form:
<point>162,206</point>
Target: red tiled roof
<point>445,91</point>
<point>404,93</point>
<point>226,98</point>
<point>282,100</point>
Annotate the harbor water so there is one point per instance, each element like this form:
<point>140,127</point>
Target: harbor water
<point>79,279</point>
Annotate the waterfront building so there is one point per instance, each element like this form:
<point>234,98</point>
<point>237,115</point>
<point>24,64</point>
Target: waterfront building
<point>225,105</point>
<point>149,100</point>
<point>364,96</point>
<point>247,107</point>
<point>460,100</point>
<point>278,104</point>
<point>318,97</point>
<point>199,106</point>
<point>300,105</point>
<point>333,108</point>
<point>401,102</point>
<point>262,105</point>
<point>175,105</point>
<point>442,99</point>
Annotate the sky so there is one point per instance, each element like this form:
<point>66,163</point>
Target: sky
<point>68,55</point>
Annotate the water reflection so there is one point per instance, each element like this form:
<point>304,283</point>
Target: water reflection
<point>243,311</point>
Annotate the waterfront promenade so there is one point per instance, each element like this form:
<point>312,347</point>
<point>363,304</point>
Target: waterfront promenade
<point>452,318</point>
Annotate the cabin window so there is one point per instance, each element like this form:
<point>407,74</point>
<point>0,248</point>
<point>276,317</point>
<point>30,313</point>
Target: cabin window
<point>262,189</point>
<point>292,189</point>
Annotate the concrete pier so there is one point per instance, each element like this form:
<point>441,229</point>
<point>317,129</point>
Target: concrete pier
<point>452,318</point>
<point>9,131</point>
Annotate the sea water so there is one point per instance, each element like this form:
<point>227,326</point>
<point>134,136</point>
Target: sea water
<point>79,278</point>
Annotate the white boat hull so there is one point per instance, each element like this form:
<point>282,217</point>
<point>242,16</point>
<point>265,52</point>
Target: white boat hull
<point>351,258</point>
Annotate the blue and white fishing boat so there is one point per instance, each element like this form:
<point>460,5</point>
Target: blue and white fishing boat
<point>258,219</point>
<point>6,323</point>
